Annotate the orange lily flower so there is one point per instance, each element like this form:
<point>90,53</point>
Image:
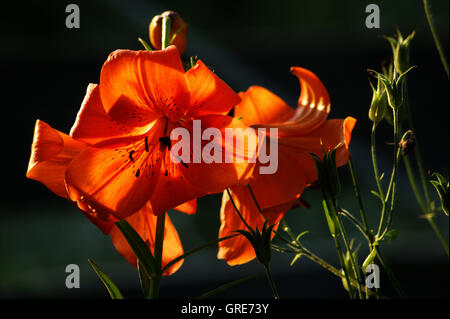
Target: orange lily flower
<point>145,96</point>
<point>300,132</point>
<point>116,162</point>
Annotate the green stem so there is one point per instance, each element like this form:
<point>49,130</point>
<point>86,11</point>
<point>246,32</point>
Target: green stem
<point>435,35</point>
<point>166,25</point>
<point>436,229</point>
<point>353,262</point>
<point>412,182</point>
<point>339,251</point>
<point>301,249</point>
<point>393,181</point>
<point>374,160</point>
<point>358,193</point>
<point>159,241</point>
<point>376,174</point>
<point>256,202</point>
<point>272,284</point>
<point>237,211</point>
<point>389,272</point>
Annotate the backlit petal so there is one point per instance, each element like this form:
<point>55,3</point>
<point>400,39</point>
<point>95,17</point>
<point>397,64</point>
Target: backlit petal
<point>93,123</point>
<point>209,94</point>
<point>115,179</point>
<point>51,154</point>
<point>241,155</point>
<point>137,87</point>
<point>260,106</point>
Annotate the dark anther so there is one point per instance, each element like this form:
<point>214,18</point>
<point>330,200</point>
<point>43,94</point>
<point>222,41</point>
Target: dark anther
<point>165,141</point>
<point>138,172</point>
<point>131,156</point>
<point>146,143</point>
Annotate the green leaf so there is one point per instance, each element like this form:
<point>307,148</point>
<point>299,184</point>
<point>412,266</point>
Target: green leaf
<point>144,279</point>
<point>301,235</point>
<point>297,257</point>
<point>145,44</point>
<point>139,247</point>
<point>330,220</point>
<point>190,252</point>
<point>225,287</point>
<point>114,292</point>
<point>376,194</point>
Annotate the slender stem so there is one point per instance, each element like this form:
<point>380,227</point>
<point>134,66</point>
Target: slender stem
<point>159,241</point>
<point>389,272</point>
<point>358,194</point>
<point>374,160</point>
<point>339,251</point>
<point>237,211</point>
<point>287,229</point>
<point>377,176</point>
<point>272,284</point>
<point>426,207</point>
<point>365,232</point>
<point>256,202</point>
<point>436,229</point>
<point>412,182</point>
<point>435,35</point>
<point>166,25</point>
<point>353,262</point>
<point>393,181</point>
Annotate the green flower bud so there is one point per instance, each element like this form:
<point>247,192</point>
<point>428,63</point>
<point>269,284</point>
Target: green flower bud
<point>442,188</point>
<point>378,106</point>
<point>260,240</point>
<point>400,51</point>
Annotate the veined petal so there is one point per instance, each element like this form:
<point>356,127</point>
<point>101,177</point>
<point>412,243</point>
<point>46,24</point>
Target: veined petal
<point>172,189</point>
<point>137,87</point>
<point>51,154</point>
<point>236,155</point>
<point>238,250</point>
<point>93,124</point>
<point>260,106</point>
<point>144,223</point>
<point>209,94</point>
<point>116,179</point>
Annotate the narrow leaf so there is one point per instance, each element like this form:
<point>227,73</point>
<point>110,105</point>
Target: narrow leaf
<point>139,247</point>
<point>145,44</point>
<point>114,292</point>
<point>144,279</point>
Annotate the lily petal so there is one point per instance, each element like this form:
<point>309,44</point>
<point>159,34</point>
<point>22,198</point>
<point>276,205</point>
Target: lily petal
<point>237,160</point>
<point>138,87</point>
<point>117,178</point>
<point>260,106</point>
<point>93,124</point>
<point>51,154</point>
<point>209,94</point>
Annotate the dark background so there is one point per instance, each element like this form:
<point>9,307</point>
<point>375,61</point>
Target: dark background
<point>46,68</point>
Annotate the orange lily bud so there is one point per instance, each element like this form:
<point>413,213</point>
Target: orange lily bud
<point>178,31</point>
